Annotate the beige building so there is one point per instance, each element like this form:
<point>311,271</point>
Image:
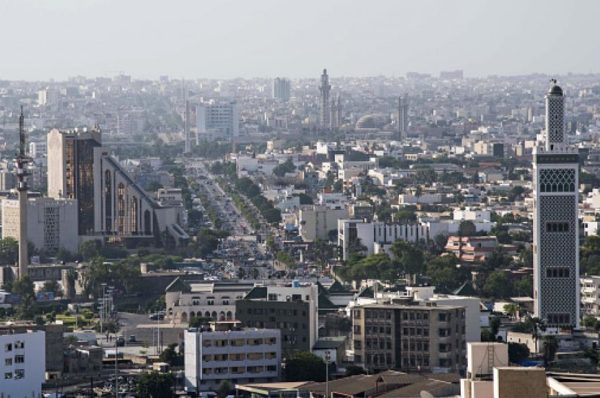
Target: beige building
<point>315,222</point>
<point>214,300</point>
<point>409,337</point>
<point>50,223</point>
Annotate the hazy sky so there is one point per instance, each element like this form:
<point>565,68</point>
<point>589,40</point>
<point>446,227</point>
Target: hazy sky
<point>42,39</point>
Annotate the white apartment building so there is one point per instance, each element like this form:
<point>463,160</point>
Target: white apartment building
<point>214,300</point>
<point>231,353</point>
<point>22,364</point>
<point>590,295</point>
<point>51,223</point>
<point>469,214</point>
<point>377,236</point>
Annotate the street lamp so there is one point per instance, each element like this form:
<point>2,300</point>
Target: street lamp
<point>327,359</point>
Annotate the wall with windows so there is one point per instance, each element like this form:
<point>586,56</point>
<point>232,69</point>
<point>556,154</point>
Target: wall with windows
<point>239,356</point>
<point>22,364</point>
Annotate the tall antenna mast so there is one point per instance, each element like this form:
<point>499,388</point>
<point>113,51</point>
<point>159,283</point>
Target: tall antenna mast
<point>21,163</point>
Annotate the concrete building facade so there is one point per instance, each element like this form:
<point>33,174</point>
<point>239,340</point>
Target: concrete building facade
<point>233,354</point>
<point>49,223</point>
<point>294,310</point>
<point>409,337</point>
<point>22,364</point>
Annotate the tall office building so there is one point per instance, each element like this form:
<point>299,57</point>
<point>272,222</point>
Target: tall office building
<point>555,228</point>
<point>110,204</point>
<point>217,119</point>
<point>281,89</point>
<point>325,88</point>
<point>402,117</point>
<point>71,172</point>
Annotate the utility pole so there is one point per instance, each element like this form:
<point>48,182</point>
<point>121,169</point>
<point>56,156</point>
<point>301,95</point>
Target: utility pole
<point>116,370</point>
<point>327,359</point>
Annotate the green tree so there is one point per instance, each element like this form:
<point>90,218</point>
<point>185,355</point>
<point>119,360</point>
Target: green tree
<point>467,228</point>
<point>171,356</point>
<point>9,251</point>
<point>591,322</point>
<point>526,257</point>
<point>304,366</point>
<point>154,384</point>
<point>512,309</point>
<point>286,167</point>
<point>405,216</point>
<point>523,287</point>
<point>408,257</point>
<point>497,285</point>
<point>224,389</point>
<point>446,274</point>
<point>550,344</point>
<point>89,249</point>
<point>497,259</point>
<point>23,287</point>
<point>517,352</point>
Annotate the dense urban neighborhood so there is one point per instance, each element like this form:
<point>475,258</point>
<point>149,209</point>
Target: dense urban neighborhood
<point>338,235</point>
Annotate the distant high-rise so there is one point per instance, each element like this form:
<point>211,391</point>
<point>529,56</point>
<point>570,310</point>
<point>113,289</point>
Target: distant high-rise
<point>451,74</point>
<point>186,128</point>
<point>555,220</point>
<point>71,172</point>
<point>325,88</point>
<point>281,89</point>
<point>402,117</point>
<point>217,119</point>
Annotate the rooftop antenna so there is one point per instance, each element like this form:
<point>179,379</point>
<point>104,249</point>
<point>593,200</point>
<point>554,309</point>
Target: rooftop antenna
<point>21,162</point>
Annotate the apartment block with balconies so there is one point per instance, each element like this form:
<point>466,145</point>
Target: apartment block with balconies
<point>228,352</point>
<point>590,295</point>
<point>409,337</point>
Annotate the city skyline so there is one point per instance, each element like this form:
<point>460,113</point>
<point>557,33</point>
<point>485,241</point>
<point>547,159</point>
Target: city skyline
<point>266,39</point>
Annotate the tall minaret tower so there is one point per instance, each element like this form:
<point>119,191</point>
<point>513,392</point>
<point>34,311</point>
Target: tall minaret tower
<point>187,146</point>
<point>402,117</point>
<point>325,88</point>
<point>21,163</point>
<point>555,220</point>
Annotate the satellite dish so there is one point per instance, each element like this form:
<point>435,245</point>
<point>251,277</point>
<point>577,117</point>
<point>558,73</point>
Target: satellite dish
<point>426,394</point>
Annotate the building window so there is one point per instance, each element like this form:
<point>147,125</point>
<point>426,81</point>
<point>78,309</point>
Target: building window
<point>133,215</point>
<point>19,358</point>
<point>559,319</point>
<point>8,375</point>
<point>108,200</point>
<point>121,208</point>
<point>8,347</point>
<point>8,362</point>
<point>557,272</point>
<point>557,227</point>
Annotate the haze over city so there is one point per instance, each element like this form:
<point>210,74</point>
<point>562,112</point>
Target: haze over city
<point>299,199</point>
<point>263,38</point>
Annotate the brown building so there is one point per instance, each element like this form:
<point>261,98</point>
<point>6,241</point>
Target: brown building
<point>409,337</point>
<point>293,310</point>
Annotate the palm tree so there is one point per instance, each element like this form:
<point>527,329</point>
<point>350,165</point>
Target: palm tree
<point>512,310</point>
